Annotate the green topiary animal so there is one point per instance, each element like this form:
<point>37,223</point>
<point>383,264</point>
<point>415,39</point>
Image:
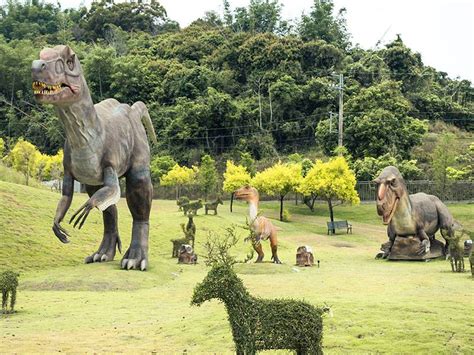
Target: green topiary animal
<point>256,323</point>
<point>456,251</point>
<point>8,285</point>
<point>182,201</point>
<point>259,324</point>
<point>212,205</point>
<point>192,207</point>
<point>189,235</point>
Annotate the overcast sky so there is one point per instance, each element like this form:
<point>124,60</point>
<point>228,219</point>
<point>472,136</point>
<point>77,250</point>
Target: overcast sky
<point>441,30</point>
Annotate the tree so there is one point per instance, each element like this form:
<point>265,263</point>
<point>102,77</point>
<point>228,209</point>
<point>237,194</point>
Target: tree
<point>207,175</point>
<point>278,180</point>
<point>54,168</point>
<point>235,176</point>
<point>369,168</point>
<point>161,165</point>
<point>2,147</point>
<point>378,122</point>
<point>443,157</point>
<point>41,163</point>
<point>248,163</point>
<point>466,166</point>
<point>129,16</point>
<point>23,158</point>
<point>321,24</point>
<point>332,181</point>
<point>178,177</point>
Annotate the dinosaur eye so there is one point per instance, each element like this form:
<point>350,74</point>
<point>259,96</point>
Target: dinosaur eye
<point>70,63</point>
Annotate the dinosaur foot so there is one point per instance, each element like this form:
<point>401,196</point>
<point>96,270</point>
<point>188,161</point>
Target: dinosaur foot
<point>259,259</point>
<point>276,260</point>
<point>106,250</point>
<point>425,247</point>
<point>135,258</point>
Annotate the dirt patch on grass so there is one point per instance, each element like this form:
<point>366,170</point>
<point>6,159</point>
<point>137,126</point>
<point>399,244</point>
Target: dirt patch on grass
<point>343,245</point>
<point>77,285</point>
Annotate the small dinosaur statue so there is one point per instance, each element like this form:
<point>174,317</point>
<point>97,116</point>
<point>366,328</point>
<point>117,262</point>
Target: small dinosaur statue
<point>189,232</point>
<point>260,226</point>
<point>103,143</point>
<point>419,215</point>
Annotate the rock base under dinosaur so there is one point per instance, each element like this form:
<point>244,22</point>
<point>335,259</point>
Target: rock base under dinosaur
<point>406,248</point>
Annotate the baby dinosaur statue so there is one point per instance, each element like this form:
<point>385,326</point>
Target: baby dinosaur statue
<point>260,226</point>
<point>103,143</point>
<point>419,215</point>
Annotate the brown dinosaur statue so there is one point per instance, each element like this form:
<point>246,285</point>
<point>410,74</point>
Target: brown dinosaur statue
<point>103,143</point>
<point>260,226</point>
<point>418,215</point>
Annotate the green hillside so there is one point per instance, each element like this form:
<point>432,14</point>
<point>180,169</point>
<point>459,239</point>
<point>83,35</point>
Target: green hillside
<point>65,305</point>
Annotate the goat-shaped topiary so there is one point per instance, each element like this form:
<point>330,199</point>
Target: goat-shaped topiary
<point>189,235</point>
<point>456,251</point>
<point>259,324</point>
<point>212,205</point>
<point>8,285</point>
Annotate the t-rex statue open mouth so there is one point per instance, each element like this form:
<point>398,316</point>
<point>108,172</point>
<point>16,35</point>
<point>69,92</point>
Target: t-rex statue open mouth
<point>41,88</point>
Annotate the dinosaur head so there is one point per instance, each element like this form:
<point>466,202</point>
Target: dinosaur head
<point>247,193</point>
<point>57,77</point>
<point>390,189</point>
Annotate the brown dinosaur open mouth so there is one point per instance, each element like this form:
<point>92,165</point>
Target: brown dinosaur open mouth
<point>388,217</point>
<point>41,88</point>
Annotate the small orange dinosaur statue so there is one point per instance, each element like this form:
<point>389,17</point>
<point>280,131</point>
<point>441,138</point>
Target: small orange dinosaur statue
<point>261,226</point>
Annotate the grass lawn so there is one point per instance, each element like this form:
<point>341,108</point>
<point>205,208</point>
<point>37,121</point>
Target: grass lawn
<point>66,306</point>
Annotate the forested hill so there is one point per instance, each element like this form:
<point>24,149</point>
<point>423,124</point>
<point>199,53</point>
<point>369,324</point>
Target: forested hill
<point>246,80</point>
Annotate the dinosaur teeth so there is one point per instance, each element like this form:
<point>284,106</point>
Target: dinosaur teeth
<point>42,88</point>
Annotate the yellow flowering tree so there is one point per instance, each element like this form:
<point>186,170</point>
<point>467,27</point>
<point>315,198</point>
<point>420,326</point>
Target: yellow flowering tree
<point>41,163</point>
<point>23,158</point>
<point>332,181</point>
<point>54,167</point>
<point>179,176</point>
<point>235,176</point>
<point>278,180</point>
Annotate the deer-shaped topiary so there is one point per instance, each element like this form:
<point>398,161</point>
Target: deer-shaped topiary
<point>260,324</point>
<point>456,251</point>
<point>256,323</point>
<point>8,285</point>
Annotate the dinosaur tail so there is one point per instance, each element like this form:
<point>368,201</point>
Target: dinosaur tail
<point>146,120</point>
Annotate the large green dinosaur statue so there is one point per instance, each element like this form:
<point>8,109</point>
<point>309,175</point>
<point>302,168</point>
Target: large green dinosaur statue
<point>103,143</point>
<point>418,215</point>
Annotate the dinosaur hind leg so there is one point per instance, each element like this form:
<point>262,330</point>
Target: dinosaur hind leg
<point>139,195</point>
<point>111,239</point>
<point>274,246</point>
<point>258,248</point>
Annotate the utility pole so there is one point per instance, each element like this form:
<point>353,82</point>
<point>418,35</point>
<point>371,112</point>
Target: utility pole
<point>341,108</point>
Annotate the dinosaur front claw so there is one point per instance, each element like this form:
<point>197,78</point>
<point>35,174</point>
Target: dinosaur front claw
<point>82,214</point>
<point>60,232</point>
<point>425,247</point>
